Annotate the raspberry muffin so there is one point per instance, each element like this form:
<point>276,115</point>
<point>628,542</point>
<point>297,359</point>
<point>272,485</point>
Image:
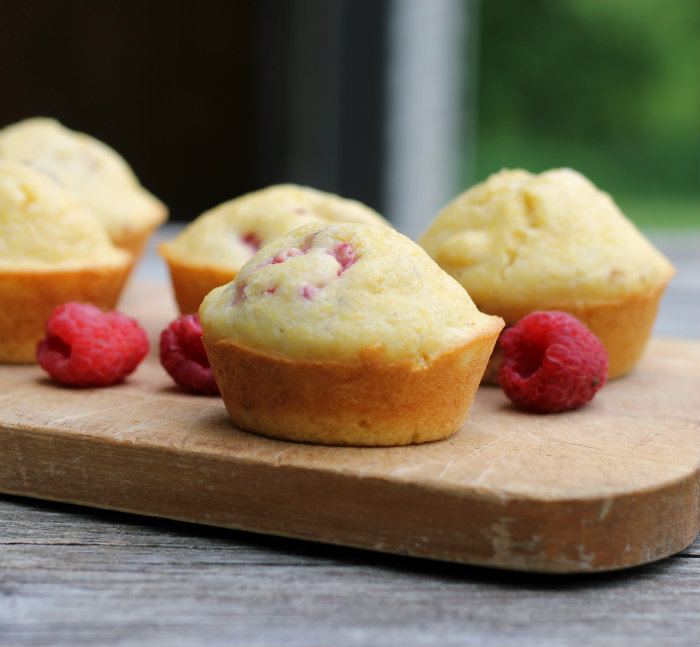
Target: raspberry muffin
<point>520,242</point>
<point>210,251</point>
<point>52,250</point>
<point>97,175</point>
<point>346,334</point>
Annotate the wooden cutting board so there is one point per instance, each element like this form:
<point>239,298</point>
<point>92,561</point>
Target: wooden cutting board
<point>609,486</point>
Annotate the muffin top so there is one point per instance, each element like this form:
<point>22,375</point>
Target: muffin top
<point>96,173</point>
<point>228,235</point>
<point>344,292</point>
<point>520,239</point>
<point>44,226</point>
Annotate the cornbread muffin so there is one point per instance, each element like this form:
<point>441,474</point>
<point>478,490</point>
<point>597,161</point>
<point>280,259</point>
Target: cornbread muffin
<point>52,250</point>
<point>96,173</point>
<point>210,250</point>
<point>520,242</point>
<point>346,334</point>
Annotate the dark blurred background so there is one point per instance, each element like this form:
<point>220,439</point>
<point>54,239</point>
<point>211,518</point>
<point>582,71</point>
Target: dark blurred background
<point>399,103</point>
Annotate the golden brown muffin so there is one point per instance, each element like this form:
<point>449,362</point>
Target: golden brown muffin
<point>52,250</point>
<point>94,172</point>
<point>346,334</point>
<point>210,250</point>
<point>520,242</point>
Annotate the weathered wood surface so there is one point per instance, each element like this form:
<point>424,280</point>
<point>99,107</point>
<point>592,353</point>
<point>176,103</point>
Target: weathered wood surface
<point>72,576</point>
<point>80,576</point>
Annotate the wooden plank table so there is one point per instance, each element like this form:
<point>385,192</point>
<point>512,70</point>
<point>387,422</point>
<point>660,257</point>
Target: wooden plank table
<point>71,575</point>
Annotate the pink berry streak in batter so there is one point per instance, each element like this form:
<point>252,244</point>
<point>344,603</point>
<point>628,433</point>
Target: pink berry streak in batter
<point>344,253</point>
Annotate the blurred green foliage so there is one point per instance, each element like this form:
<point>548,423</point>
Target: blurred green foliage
<point>608,87</point>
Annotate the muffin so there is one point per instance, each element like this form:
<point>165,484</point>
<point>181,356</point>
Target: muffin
<point>346,334</point>
<point>97,175</point>
<point>52,250</point>
<point>521,242</point>
<point>210,250</point>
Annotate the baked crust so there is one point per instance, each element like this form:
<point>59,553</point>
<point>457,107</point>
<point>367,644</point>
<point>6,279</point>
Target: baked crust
<point>623,326</point>
<point>191,283</point>
<point>367,403</point>
<point>29,297</point>
<point>521,242</point>
<point>134,239</point>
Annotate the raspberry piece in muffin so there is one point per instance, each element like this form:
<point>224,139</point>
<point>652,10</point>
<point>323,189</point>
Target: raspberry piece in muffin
<point>346,334</point>
<point>213,248</point>
<point>252,240</point>
<point>346,255</point>
<point>322,272</point>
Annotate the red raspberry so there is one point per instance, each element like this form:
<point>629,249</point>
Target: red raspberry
<point>183,356</point>
<point>85,346</point>
<point>551,362</point>
<point>346,255</point>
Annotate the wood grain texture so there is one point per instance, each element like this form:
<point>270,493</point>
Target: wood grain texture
<point>74,576</point>
<point>610,486</point>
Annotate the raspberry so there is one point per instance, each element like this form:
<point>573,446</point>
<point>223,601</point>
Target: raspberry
<point>346,255</point>
<point>85,346</point>
<point>551,362</point>
<point>252,240</point>
<point>183,356</point>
